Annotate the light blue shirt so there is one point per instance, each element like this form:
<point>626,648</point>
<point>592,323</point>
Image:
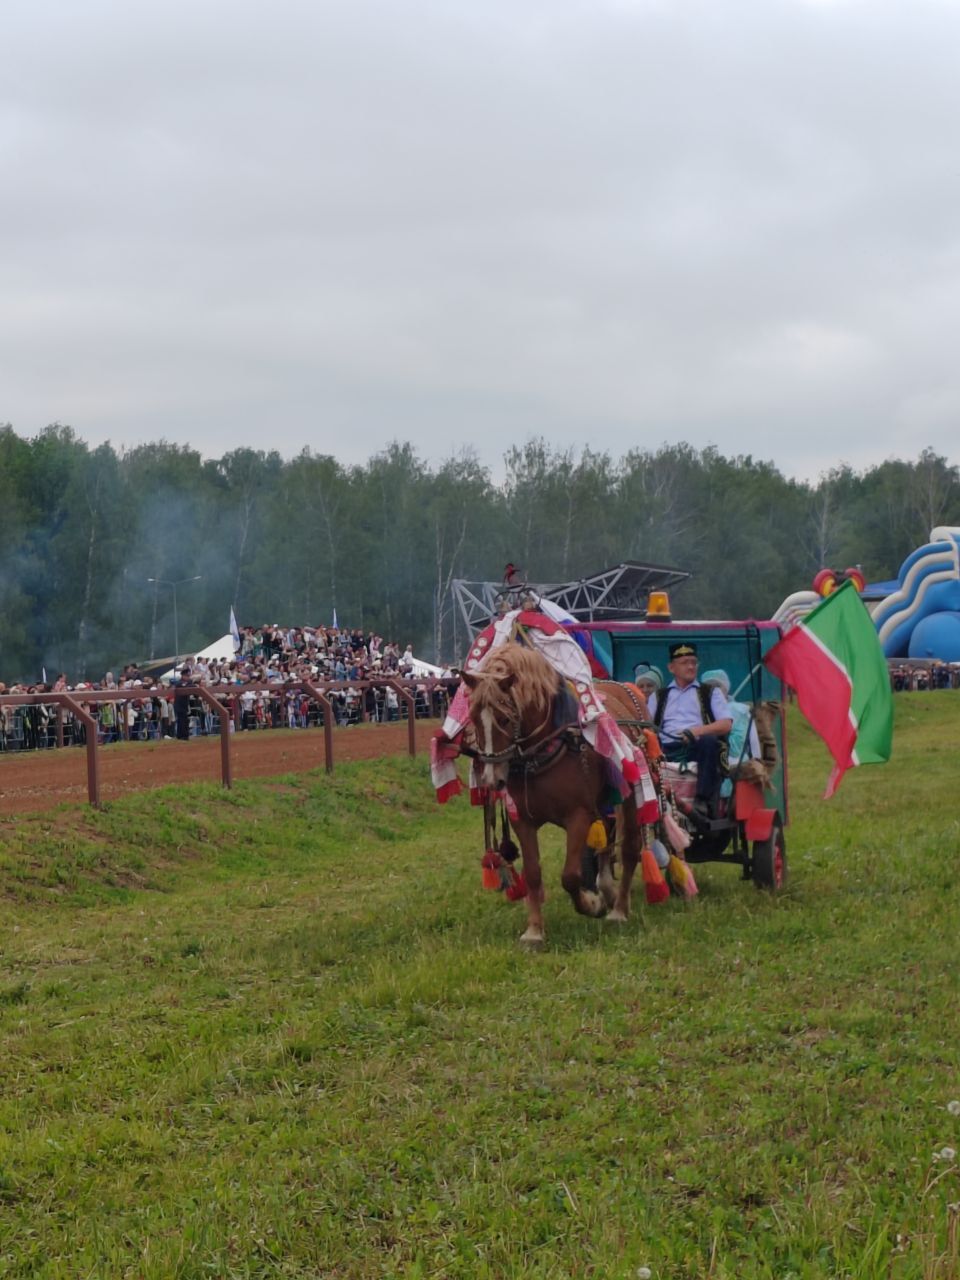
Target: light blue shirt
<point>683,708</point>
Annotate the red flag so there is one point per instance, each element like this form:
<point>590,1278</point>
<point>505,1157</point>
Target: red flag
<point>834,661</point>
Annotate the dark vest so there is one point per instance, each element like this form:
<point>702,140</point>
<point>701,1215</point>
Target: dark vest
<point>704,693</point>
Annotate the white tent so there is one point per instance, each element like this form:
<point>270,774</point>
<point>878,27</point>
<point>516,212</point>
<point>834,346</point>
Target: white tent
<point>421,668</point>
<point>221,650</point>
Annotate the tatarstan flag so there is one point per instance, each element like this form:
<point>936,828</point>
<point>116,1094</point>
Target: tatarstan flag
<point>833,659</point>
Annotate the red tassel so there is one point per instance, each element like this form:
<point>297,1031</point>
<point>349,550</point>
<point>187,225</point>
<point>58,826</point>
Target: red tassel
<point>518,889</point>
<point>654,884</point>
<point>491,862</point>
<point>649,812</point>
<point>478,796</point>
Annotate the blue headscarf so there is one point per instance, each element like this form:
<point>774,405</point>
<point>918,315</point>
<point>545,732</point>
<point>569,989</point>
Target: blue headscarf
<point>718,677</point>
<point>653,674</point>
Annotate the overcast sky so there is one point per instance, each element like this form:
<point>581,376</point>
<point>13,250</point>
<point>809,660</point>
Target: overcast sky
<point>296,223</point>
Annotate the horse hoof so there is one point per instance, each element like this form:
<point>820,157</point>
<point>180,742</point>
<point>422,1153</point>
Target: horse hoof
<point>592,904</point>
<point>532,941</point>
<point>609,896</point>
<point>617,916</point>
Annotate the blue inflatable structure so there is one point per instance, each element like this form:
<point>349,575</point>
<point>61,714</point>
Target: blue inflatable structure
<point>920,617</point>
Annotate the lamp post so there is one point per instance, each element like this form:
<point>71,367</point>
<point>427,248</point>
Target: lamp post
<point>166,582</point>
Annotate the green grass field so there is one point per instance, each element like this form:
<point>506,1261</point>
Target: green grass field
<point>283,1032</point>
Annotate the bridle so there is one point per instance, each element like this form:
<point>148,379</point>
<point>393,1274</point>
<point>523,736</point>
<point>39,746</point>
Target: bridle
<point>527,753</point>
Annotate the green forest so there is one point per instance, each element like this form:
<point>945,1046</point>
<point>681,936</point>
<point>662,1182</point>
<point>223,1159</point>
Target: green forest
<point>289,540</point>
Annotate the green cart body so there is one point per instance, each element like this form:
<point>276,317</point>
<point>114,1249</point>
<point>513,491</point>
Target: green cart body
<point>750,833</point>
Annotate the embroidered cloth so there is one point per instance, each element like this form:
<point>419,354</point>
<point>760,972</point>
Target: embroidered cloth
<point>627,763</point>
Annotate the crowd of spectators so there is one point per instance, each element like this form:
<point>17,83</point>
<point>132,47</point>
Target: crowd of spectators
<point>350,665</point>
<point>911,677</point>
<point>323,653</point>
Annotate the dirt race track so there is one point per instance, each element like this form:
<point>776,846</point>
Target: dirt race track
<point>35,780</point>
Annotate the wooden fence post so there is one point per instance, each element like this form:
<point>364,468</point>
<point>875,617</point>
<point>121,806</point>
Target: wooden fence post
<point>223,715</point>
<point>93,760</point>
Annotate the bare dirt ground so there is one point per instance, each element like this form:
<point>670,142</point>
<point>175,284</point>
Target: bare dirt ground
<point>37,780</point>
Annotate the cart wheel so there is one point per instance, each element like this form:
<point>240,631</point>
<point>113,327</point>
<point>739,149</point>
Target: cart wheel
<point>769,859</point>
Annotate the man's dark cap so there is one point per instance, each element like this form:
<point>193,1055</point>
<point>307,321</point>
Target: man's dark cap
<point>683,649</point>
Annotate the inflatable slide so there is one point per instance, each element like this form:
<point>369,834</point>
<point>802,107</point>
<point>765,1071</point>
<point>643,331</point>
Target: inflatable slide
<point>921,617</point>
<point>917,615</point>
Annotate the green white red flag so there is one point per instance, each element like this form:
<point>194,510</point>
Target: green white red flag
<point>833,659</point>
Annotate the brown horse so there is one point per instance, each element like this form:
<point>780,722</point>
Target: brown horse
<point>528,740</point>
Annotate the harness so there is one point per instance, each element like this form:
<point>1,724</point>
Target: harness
<point>534,758</point>
<point>636,723</point>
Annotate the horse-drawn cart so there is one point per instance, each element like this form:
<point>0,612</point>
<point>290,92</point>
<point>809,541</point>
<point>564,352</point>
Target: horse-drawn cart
<point>554,739</point>
<point>745,827</point>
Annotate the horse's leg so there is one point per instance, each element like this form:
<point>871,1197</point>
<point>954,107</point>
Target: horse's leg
<point>532,874</point>
<point>605,881</point>
<point>585,901</point>
<point>628,836</point>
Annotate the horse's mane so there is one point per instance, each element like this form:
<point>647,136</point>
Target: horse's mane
<point>536,682</point>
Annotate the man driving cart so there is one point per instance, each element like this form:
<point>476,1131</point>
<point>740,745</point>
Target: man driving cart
<point>693,721</point>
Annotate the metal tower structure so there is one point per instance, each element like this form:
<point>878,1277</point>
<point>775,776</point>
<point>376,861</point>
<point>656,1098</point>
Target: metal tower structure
<point>613,594</point>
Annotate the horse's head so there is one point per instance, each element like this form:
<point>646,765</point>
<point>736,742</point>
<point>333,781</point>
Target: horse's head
<point>510,703</point>
<point>496,723</point>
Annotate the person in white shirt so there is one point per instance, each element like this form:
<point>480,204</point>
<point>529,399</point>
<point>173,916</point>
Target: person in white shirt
<point>693,722</point>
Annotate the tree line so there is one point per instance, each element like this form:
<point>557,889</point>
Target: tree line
<point>82,530</point>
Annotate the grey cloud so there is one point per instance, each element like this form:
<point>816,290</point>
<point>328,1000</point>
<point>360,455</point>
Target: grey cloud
<point>613,223</point>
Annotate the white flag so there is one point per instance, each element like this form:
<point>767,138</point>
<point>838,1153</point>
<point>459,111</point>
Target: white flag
<point>44,672</point>
<point>335,626</point>
<point>234,631</point>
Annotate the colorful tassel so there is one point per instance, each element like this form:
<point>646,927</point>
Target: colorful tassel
<point>690,888</point>
<point>649,812</point>
<point>491,862</point>
<point>654,884</point>
<point>508,850</point>
<point>676,836</point>
<point>597,837</point>
<point>681,877</point>
<point>677,872</point>
<point>661,853</point>
<point>517,888</point>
